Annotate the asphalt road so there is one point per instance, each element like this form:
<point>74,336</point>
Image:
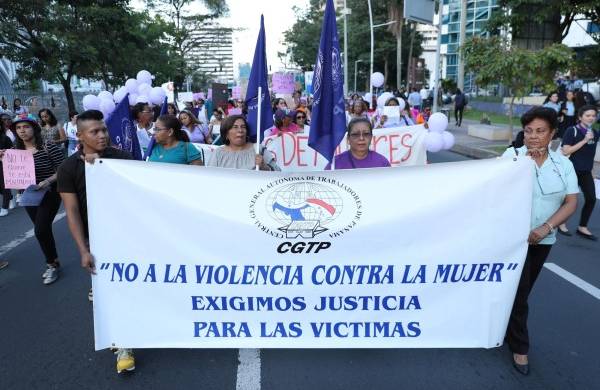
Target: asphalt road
<point>47,336</point>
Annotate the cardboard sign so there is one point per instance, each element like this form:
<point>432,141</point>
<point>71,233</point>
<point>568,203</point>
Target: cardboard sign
<point>284,83</point>
<point>19,169</point>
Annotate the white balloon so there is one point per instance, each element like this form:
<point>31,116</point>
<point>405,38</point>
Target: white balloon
<point>133,99</point>
<point>105,95</point>
<point>384,98</point>
<point>91,102</point>
<point>144,77</point>
<point>377,79</point>
<point>438,122</point>
<point>448,138</point>
<point>368,98</point>
<point>401,103</point>
<point>157,95</point>
<point>131,85</point>
<point>434,142</point>
<point>120,94</point>
<point>107,105</point>
<point>144,89</point>
<point>142,99</point>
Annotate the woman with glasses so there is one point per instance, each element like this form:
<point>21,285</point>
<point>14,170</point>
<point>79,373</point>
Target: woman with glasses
<point>143,116</point>
<point>554,200</point>
<point>359,135</point>
<point>172,143</point>
<point>238,152</point>
<point>299,119</point>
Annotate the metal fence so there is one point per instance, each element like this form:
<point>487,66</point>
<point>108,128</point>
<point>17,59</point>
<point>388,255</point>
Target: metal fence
<point>36,100</point>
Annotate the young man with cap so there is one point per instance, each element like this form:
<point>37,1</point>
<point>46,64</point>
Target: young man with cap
<point>94,139</point>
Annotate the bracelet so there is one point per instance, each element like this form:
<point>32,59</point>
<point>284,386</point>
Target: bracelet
<point>549,225</point>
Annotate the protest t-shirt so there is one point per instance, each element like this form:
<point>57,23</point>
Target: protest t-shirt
<point>347,161</point>
<point>71,178</point>
<point>182,153</point>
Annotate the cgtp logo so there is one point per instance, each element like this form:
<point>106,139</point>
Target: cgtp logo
<point>305,208</point>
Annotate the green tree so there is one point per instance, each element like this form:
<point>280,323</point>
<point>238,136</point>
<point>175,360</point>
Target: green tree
<point>58,39</point>
<point>184,35</point>
<point>303,40</point>
<point>494,61</point>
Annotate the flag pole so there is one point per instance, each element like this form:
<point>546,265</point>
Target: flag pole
<point>258,116</point>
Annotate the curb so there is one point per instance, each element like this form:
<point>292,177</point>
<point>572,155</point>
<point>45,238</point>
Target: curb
<point>471,152</point>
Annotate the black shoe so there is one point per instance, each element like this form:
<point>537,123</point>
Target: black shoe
<point>523,369</point>
<point>587,236</point>
<point>564,232</point>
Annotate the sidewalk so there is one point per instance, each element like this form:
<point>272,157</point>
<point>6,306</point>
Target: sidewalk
<point>480,148</point>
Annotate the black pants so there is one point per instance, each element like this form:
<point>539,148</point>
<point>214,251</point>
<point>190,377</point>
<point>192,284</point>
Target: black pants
<point>586,182</point>
<point>517,335</point>
<point>6,197</point>
<point>42,217</point>
<point>458,114</point>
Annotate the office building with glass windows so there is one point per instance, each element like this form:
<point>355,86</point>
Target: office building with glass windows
<point>479,13</point>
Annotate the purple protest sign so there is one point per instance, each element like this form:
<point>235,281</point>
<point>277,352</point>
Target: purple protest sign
<point>236,92</point>
<point>283,83</point>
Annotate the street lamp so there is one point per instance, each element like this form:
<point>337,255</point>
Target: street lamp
<point>373,41</point>
<point>355,70</point>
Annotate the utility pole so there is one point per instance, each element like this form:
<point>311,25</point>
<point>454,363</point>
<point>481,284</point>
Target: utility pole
<point>346,12</point>
<point>372,47</point>
<point>438,65</point>
<point>462,36</point>
<point>355,72</point>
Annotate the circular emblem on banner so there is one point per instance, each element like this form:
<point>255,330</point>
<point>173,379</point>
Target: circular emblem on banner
<point>305,207</point>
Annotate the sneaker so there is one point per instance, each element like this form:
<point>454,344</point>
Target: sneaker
<point>45,274</point>
<point>18,200</point>
<point>3,212</point>
<point>12,204</point>
<point>91,295</point>
<point>125,360</point>
<point>3,264</point>
<point>51,274</point>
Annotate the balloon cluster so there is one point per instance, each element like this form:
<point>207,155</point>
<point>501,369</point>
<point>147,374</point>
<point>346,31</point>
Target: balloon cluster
<point>437,137</point>
<point>140,90</point>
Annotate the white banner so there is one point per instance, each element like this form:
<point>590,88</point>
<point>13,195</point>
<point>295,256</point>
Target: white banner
<point>400,145</point>
<point>384,258</point>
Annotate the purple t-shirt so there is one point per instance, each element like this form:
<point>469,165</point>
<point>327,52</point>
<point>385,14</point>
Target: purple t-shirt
<point>347,161</point>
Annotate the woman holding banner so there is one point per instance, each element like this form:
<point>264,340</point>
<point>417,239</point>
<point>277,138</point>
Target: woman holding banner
<point>554,200</point>
<point>238,152</point>
<point>172,143</point>
<point>359,134</point>
<point>47,158</point>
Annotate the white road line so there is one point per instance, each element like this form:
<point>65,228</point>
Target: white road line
<point>577,281</point>
<point>28,234</point>
<point>248,372</point>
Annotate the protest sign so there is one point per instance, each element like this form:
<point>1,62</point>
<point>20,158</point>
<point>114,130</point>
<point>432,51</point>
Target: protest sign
<point>18,169</point>
<point>283,83</point>
<point>379,258</point>
<point>236,92</point>
<point>400,145</point>
<point>235,111</point>
<point>393,115</point>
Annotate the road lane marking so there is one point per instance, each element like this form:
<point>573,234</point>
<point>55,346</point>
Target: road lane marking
<point>28,234</point>
<point>248,371</point>
<point>577,281</point>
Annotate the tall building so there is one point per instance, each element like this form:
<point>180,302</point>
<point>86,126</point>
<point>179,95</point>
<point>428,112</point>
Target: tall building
<point>212,52</point>
<point>429,46</point>
<point>478,14</point>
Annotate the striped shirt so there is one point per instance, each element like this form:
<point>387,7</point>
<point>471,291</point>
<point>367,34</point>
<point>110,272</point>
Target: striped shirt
<point>47,161</point>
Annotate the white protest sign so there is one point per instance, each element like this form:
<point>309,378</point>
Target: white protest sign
<point>379,258</point>
<point>400,145</point>
<point>393,115</point>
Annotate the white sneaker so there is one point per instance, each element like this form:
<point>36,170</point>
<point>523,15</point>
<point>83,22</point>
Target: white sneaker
<point>18,200</point>
<point>3,212</point>
<point>12,204</point>
<point>51,275</point>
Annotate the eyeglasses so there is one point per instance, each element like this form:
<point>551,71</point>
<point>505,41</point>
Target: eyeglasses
<point>147,112</point>
<point>364,135</point>
<point>300,117</point>
<point>156,128</point>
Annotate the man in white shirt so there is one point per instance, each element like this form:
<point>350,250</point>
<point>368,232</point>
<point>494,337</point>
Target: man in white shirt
<point>414,99</point>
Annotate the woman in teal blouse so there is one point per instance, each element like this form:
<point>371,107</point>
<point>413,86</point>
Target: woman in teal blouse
<point>554,200</point>
<point>172,143</point>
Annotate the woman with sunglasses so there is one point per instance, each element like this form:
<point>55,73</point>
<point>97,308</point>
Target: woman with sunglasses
<point>300,119</point>
<point>359,135</point>
<point>554,200</point>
